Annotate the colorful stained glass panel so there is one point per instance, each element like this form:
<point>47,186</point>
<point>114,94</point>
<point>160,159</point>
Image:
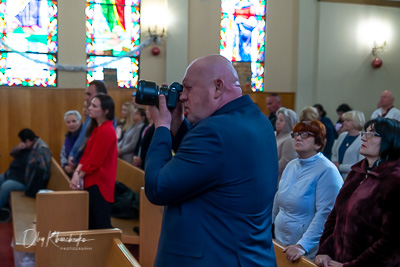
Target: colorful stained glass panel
<point>28,26</point>
<point>127,69</point>
<point>242,35</point>
<point>112,27</point>
<point>17,70</point>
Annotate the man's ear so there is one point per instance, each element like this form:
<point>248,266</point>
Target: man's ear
<point>219,88</point>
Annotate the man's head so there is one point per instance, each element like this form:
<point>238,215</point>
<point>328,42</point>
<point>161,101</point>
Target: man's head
<point>273,102</point>
<point>27,137</point>
<point>95,87</point>
<point>209,83</point>
<point>386,100</point>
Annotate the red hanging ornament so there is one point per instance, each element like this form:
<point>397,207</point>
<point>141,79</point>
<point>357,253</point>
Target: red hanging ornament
<point>377,63</point>
<point>155,51</point>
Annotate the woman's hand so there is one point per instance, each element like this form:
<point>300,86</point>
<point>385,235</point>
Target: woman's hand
<point>322,260</point>
<point>334,264</point>
<point>76,182</point>
<point>137,161</point>
<point>68,169</point>
<point>294,252</point>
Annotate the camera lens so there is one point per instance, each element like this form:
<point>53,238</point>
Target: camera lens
<point>147,93</point>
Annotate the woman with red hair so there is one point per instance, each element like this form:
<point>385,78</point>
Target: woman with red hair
<point>306,194</point>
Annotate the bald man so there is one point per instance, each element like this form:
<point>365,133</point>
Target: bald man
<point>386,108</point>
<point>218,188</point>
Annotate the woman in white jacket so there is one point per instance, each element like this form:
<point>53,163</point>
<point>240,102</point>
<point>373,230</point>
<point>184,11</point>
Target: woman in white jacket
<point>346,149</point>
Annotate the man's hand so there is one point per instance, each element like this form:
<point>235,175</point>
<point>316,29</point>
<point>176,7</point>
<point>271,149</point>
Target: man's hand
<point>21,145</point>
<point>161,115</point>
<point>335,264</point>
<point>294,252</point>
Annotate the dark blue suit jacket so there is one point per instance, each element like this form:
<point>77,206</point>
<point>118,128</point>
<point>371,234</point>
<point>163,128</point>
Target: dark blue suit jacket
<point>218,189</point>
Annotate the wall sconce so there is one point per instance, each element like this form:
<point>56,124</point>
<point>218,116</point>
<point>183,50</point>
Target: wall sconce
<point>377,61</point>
<point>156,35</point>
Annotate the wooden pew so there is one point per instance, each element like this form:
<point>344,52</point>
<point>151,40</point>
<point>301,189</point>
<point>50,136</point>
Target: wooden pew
<point>56,211</point>
<point>150,227</point>
<point>24,209</point>
<point>283,262</point>
<point>120,256</point>
<point>59,180</point>
<point>89,248</point>
<point>150,216</point>
<point>133,178</point>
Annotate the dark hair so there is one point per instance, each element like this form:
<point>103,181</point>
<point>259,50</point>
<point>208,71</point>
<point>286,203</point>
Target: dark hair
<point>389,131</point>
<point>142,113</point>
<point>100,86</point>
<point>106,103</point>
<point>321,109</point>
<point>27,134</point>
<point>315,127</point>
<point>343,108</point>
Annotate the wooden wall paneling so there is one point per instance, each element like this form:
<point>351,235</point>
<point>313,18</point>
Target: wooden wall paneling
<point>4,133</point>
<point>287,100</point>
<point>42,110</point>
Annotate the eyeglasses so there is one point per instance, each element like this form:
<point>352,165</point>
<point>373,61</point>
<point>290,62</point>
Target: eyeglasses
<point>303,135</point>
<point>369,135</point>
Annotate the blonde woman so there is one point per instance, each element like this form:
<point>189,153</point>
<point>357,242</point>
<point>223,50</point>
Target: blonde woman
<point>126,121</point>
<point>346,149</point>
<point>309,114</point>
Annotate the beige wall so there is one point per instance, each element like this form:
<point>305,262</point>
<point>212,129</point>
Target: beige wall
<point>335,62</point>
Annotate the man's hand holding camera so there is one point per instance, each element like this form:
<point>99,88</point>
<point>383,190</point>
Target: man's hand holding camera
<point>162,116</point>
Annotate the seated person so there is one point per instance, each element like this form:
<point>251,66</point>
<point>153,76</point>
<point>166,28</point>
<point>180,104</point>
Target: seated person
<point>29,171</point>
<point>73,121</point>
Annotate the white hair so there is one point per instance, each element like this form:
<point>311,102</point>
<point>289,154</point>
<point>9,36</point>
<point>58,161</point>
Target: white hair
<point>73,112</point>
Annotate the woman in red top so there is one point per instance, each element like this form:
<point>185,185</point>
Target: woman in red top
<point>97,168</point>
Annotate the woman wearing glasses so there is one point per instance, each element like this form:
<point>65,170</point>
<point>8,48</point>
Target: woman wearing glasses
<point>346,149</point>
<point>363,227</point>
<point>306,194</point>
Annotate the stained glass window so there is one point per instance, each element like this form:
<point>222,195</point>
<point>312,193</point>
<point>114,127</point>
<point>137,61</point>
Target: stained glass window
<point>112,32</point>
<point>242,36</point>
<point>28,45</point>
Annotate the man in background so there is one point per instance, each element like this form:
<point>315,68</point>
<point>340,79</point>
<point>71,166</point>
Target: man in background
<point>273,104</point>
<point>386,108</point>
<point>218,188</point>
<point>29,171</point>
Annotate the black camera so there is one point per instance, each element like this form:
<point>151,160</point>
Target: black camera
<point>147,93</point>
